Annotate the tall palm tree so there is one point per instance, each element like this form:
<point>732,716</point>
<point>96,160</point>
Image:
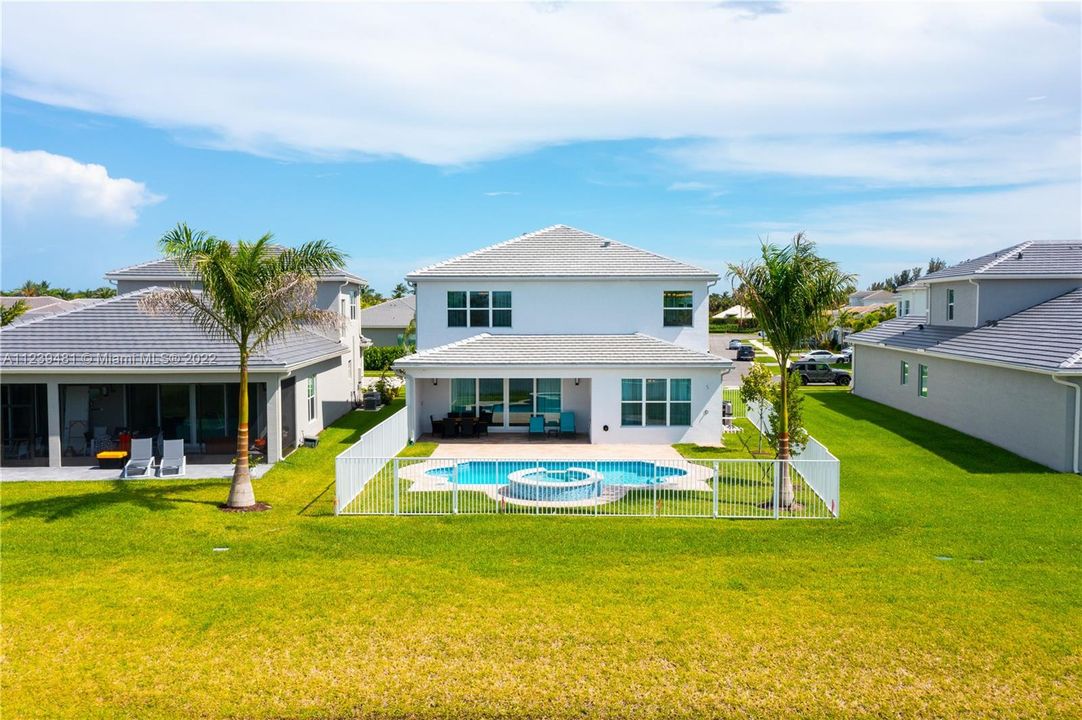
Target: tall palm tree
<point>250,294</point>
<point>788,289</point>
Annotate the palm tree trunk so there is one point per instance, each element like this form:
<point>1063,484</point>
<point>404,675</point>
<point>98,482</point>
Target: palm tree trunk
<point>785,492</point>
<point>241,493</point>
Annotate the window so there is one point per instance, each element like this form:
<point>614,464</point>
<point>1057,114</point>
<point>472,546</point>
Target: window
<point>950,303</point>
<point>478,308</point>
<point>922,387</point>
<point>906,308</point>
<point>655,401</point>
<point>353,306</point>
<point>905,373</point>
<point>456,308</point>
<point>463,395</point>
<point>677,308</point>
<point>311,395</point>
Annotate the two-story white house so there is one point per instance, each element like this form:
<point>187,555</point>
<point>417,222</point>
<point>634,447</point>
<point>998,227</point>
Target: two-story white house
<point>81,379</point>
<point>562,320</point>
<point>995,351</point>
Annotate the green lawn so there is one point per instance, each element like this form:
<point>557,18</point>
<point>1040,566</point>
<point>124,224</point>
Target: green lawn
<point>950,587</point>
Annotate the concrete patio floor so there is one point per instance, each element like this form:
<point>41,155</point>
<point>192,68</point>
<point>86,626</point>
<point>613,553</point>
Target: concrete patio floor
<point>93,473</point>
<point>551,449</point>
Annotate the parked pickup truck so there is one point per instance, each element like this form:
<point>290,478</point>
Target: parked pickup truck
<point>814,371</point>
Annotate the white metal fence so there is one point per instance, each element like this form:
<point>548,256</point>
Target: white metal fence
<point>815,465</point>
<point>370,480</point>
<point>360,462</point>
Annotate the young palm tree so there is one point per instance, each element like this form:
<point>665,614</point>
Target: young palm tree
<point>250,294</point>
<point>788,289</point>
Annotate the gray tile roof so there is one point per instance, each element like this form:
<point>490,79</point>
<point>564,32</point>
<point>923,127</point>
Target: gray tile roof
<point>116,334</point>
<point>394,313</point>
<point>562,350</point>
<point>166,271</point>
<point>1029,259</point>
<point>560,251</point>
<point>1044,337</point>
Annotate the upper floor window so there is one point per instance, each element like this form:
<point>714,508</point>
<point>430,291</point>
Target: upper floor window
<point>906,304</point>
<point>353,306</point>
<point>677,308</point>
<point>950,303</point>
<point>922,377</point>
<point>478,308</point>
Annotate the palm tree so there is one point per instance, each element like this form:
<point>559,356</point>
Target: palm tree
<point>787,289</point>
<point>250,293</point>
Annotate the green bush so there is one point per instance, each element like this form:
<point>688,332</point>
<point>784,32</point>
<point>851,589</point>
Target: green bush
<point>732,327</point>
<point>380,358</point>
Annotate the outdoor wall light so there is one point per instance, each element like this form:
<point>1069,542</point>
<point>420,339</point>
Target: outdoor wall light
<point>577,382</point>
<point>435,381</point>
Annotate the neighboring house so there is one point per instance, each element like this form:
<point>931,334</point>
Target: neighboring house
<point>385,324</point>
<point>998,355</point>
<point>565,320</point>
<point>81,378</point>
<point>863,298</point>
<point>736,312</point>
<point>40,306</point>
<point>912,299</point>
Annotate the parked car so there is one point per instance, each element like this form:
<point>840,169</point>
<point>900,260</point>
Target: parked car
<point>822,356</point>
<point>745,352</point>
<point>735,344</point>
<point>847,355</point>
<point>814,371</point>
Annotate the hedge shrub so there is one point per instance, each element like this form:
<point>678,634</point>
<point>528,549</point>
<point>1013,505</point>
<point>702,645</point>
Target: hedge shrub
<point>380,358</point>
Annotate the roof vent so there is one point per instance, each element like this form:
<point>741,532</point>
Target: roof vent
<point>1018,256</point>
<point>606,243</point>
<point>920,326</point>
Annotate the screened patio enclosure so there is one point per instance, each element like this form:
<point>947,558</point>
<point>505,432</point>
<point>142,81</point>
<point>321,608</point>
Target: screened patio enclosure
<point>95,417</point>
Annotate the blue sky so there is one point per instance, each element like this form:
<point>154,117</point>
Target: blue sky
<point>407,134</point>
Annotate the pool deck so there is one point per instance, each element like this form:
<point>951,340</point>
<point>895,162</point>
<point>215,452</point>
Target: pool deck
<point>551,450</point>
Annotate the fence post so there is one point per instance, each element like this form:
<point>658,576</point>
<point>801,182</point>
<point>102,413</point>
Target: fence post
<point>454,489</point>
<point>396,502</point>
<point>654,484</point>
<point>715,489</point>
<point>777,487</point>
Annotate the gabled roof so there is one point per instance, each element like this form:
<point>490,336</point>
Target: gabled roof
<point>165,271</point>
<point>560,252</point>
<point>1038,258</point>
<point>1044,337</point>
<point>562,350</point>
<point>117,335</point>
<point>394,313</point>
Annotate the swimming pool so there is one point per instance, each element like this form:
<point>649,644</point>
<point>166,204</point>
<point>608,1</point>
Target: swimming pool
<point>612,472</point>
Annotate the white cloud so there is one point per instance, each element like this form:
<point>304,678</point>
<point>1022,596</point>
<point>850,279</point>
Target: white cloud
<point>501,193</point>
<point>38,183</point>
<point>689,186</point>
<point>954,226</point>
<point>788,92</point>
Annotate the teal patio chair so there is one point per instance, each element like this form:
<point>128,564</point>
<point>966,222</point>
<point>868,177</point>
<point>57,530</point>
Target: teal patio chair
<point>537,426</point>
<point>567,423</point>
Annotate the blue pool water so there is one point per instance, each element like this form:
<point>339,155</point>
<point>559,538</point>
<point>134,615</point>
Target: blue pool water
<point>613,472</point>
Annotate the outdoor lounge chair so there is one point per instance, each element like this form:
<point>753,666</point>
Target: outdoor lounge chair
<point>141,462</point>
<point>537,426</point>
<point>173,463</point>
<point>567,423</point>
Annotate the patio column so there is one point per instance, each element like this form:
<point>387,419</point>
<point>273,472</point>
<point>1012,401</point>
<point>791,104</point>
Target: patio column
<point>274,421</point>
<point>411,406</point>
<point>52,403</point>
<point>192,421</point>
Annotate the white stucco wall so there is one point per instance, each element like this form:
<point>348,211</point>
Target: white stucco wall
<point>917,298</point>
<point>569,307</point>
<point>333,396</point>
<point>965,304</point>
<point>1000,298</point>
<point>595,401</point>
<point>1024,412</point>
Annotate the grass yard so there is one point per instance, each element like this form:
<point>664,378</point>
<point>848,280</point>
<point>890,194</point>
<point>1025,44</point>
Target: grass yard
<point>950,587</point>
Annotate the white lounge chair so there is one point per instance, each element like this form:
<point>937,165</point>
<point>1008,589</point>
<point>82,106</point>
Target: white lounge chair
<point>141,462</point>
<point>173,463</point>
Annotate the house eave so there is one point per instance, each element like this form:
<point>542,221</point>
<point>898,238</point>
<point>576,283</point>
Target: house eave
<point>964,358</point>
